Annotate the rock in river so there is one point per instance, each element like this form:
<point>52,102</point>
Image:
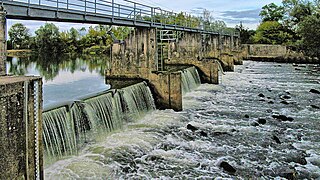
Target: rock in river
<point>227,167</point>
<point>192,128</point>
<point>314,91</point>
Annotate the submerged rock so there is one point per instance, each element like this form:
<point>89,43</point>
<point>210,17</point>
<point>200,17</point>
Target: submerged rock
<point>284,102</point>
<point>285,97</point>
<point>314,91</point>
<point>261,95</point>
<point>254,124</point>
<point>288,173</point>
<point>270,102</point>
<point>246,116</point>
<point>282,117</point>
<point>203,134</point>
<point>262,121</point>
<point>227,167</point>
<point>276,139</point>
<point>192,128</point>
<point>315,107</point>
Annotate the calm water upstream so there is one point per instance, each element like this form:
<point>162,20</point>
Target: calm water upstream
<point>64,78</point>
<point>262,120</point>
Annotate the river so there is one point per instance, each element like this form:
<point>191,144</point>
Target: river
<point>261,122</point>
<point>65,77</point>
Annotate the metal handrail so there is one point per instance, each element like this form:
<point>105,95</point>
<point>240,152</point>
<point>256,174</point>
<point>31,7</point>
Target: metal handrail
<point>135,11</point>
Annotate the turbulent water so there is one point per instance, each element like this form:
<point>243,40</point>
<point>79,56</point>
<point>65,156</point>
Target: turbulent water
<point>262,120</point>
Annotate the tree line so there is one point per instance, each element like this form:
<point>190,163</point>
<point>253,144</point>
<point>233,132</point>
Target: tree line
<point>294,23</point>
<point>48,38</point>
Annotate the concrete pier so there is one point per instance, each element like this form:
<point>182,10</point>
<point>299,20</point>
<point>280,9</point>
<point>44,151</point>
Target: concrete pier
<point>3,41</point>
<point>21,128</point>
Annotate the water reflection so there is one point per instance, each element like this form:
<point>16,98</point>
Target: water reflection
<point>65,77</point>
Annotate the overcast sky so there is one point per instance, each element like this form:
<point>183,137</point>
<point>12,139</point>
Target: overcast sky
<point>230,11</point>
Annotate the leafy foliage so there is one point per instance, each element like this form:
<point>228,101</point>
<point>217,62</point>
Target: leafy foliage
<point>19,36</point>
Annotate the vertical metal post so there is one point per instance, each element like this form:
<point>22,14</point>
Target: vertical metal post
<point>112,6</point>
<point>152,15</point>
<point>95,6</point>
<point>85,6</point>
<point>118,10</point>
<point>134,13</point>
<point>67,4</point>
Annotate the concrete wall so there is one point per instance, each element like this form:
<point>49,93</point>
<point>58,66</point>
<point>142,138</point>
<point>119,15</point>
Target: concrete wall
<point>266,50</point>
<point>20,144</point>
<point>3,42</point>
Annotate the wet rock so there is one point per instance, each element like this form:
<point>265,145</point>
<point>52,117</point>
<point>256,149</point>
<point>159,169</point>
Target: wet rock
<point>261,95</point>
<point>254,124</point>
<point>269,110</point>
<point>270,102</point>
<point>287,92</point>
<point>227,167</point>
<point>284,102</point>
<point>288,173</point>
<point>246,116</point>
<point>192,128</point>
<point>314,91</point>
<point>276,139</point>
<point>282,117</point>
<point>315,107</point>
<point>268,97</point>
<point>269,89</point>
<point>290,119</point>
<point>297,69</point>
<point>285,97</point>
<point>262,100</point>
<point>262,121</point>
<point>203,134</point>
<point>220,133</point>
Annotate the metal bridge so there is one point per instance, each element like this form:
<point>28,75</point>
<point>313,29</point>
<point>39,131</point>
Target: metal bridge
<point>102,12</point>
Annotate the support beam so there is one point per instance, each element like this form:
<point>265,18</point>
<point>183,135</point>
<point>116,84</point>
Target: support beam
<point>3,42</point>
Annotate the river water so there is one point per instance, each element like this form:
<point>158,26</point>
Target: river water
<point>261,120</point>
<point>65,77</point>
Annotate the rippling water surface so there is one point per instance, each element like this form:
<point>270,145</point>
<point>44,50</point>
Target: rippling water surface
<point>262,120</point>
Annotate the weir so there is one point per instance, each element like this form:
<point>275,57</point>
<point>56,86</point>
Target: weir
<point>70,127</point>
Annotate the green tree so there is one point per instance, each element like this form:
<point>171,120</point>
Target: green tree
<point>310,34</point>
<point>19,36</point>
<point>246,35</point>
<point>271,32</point>
<point>48,39</point>
<point>271,12</point>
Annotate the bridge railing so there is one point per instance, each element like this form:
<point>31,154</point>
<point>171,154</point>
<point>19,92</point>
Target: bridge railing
<point>134,11</point>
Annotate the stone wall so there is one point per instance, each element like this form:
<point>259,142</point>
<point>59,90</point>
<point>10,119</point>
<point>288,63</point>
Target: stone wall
<point>266,50</point>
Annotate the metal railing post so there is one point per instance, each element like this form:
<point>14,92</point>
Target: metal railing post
<point>112,6</point>
<point>151,15</point>
<point>85,6</point>
<point>95,6</point>
<point>67,4</point>
<point>134,13</point>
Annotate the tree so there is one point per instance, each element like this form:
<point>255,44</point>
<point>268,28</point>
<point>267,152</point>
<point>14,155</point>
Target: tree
<point>271,12</point>
<point>245,34</point>
<point>271,32</point>
<point>48,39</point>
<point>309,31</point>
<point>19,36</point>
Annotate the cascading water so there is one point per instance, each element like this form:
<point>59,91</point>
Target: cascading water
<point>69,128</point>
<point>137,100</point>
<point>190,79</point>
<point>58,133</point>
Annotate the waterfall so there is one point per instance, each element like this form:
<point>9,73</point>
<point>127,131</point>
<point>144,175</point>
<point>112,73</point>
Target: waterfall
<point>68,128</point>
<point>137,100</point>
<point>190,79</point>
<point>58,133</point>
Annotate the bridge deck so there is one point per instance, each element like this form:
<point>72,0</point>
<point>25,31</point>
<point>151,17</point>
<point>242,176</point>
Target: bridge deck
<point>99,12</point>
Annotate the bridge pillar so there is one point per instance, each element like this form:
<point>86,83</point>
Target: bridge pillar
<point>21,128</point>
<point>3,41</point>
<point>227,61</point>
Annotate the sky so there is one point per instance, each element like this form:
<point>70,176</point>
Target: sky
<point>230,11</point>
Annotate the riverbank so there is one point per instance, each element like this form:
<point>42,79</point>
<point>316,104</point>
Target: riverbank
<point>262,121</point>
